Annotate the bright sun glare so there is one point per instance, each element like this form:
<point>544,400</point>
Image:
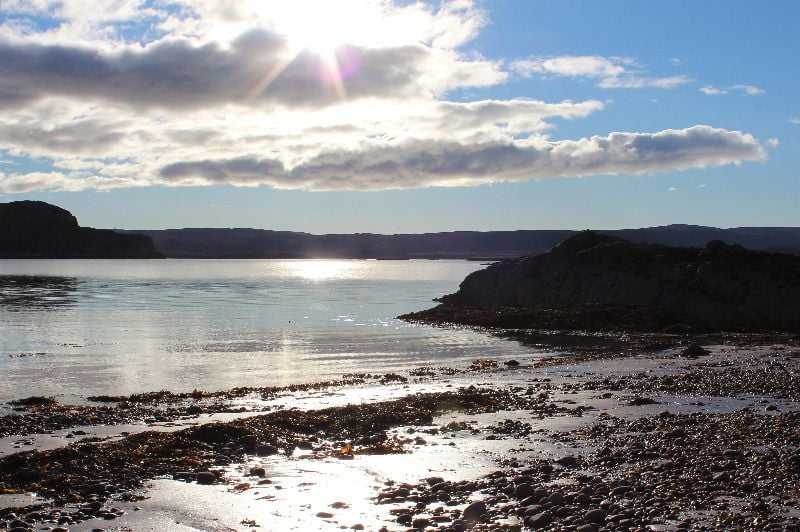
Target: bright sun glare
<point>320,26</point>
<point>320,270</point>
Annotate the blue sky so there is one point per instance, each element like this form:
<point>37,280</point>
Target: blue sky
<point>402,117</point>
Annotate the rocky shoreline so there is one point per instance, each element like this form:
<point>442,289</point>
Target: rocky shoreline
<point>673,440</point>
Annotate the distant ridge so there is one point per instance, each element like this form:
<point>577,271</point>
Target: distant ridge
<point>260,243</point>
<point>35,229</point>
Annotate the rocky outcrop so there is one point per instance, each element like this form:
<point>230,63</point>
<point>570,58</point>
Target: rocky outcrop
<point>721,285</point>
<point>34,229</point>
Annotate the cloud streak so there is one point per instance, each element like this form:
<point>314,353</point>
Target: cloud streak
<point>750,90</point>
<point>443,163</point>
<point>607,72</point>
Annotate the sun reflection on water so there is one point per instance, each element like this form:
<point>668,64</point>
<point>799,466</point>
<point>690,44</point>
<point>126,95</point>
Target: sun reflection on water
<point>323,270</point>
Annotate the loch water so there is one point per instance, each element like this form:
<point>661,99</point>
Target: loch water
<point>74,328</point>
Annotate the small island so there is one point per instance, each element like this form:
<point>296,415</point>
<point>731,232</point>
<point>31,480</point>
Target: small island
<point>38,230</point>
<point>601,283</point>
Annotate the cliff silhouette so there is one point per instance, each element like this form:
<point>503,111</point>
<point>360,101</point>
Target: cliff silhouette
<point>35,229</point>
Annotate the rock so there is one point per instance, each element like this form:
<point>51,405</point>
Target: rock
<point>722,476</point>
<point>186,476</point>
<point>533,509</point>
<point>567,461</point>
<point>420,523</point>
<point>474,511</point>
<point>357,526</point>
<point>324,515</point>
<point>249,442</point>
<point>206,477</point>
<point>441,486</point>
<point>556,498</point>
<point>641,401</point>
<point>266,449</point>
<point>511,363</point>
<point>523,490</point>
<point>694,350</point>
<point>596,515</point>
<point>258,472</point>
<point>539,520</point>
<point>605,279</point>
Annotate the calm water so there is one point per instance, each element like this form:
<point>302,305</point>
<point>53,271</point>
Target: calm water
<point>76,328</point>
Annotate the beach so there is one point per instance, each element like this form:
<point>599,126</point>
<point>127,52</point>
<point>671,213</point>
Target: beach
<point>661,439</point>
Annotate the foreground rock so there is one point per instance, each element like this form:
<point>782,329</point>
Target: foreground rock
<point>592,281</point>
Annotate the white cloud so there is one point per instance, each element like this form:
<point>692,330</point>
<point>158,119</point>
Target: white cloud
<point>609,72</point>
<point>35,181</point>
<point>712,91</point>
<point>750,90</point>
<point>445,163</point>
<point>795,120</point>
<point>209,92</point>
<point>672,189</point>
<point>772,142</point>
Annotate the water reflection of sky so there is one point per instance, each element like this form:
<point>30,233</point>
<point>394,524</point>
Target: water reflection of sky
<point>119,327</point>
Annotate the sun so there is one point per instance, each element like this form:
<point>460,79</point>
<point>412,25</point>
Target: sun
<point>321,26</point>
<point>330,30</point>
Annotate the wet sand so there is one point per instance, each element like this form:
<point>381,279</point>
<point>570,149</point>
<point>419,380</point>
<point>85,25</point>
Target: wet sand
<point>607,439</point>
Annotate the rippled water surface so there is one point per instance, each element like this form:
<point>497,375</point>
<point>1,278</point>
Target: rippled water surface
<point>75,327</point>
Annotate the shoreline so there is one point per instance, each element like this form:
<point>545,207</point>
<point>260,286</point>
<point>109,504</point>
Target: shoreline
<point>553,440</point>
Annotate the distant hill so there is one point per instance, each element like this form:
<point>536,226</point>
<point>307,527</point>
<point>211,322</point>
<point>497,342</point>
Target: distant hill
<point>259,243</point>
<point>35,229</point>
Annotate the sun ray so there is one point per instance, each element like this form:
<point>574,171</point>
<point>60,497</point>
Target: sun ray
<point>273,73</point>
<point>333,74</point>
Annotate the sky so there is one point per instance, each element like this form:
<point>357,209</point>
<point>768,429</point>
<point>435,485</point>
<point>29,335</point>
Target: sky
<point>402,117</point>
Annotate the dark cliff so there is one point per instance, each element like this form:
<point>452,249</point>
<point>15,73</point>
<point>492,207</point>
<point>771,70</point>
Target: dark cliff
<point>722,285</point>
<point>34,229</point>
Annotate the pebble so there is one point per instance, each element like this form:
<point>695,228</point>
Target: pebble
<point>258,472</point>
<point>539,520</point>
<point>474,511</point>
<point>206,477</point>
<point>523,490</point>
<point>596,515</point>
<point>266,450</point>
<point>421,522</point>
